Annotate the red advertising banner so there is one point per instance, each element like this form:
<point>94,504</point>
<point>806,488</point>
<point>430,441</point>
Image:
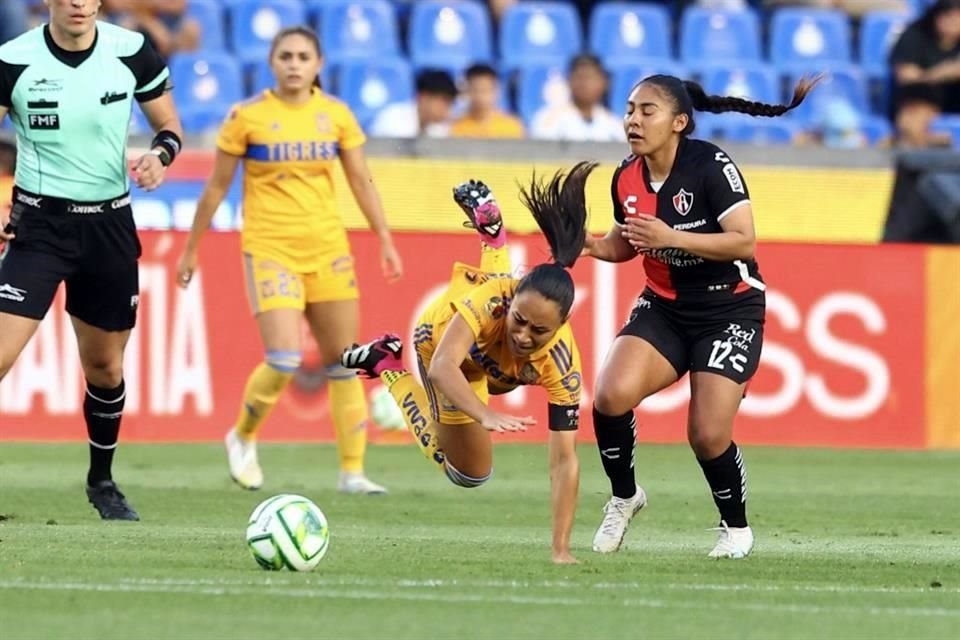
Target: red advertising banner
<point>843,359</point>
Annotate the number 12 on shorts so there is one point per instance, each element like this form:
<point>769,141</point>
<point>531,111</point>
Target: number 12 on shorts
<point>721,355</point>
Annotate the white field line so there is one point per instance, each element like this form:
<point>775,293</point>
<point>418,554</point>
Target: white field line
<point>327,593</point>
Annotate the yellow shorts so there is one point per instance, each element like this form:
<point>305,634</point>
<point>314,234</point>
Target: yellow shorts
<point>429,329</point>
<point>271,284</point>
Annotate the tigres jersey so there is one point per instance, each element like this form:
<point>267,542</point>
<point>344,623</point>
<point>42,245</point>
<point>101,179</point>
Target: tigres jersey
<point>289,152</point>
<point>555,367</point>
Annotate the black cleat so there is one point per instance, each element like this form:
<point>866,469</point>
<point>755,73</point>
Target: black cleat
<point>480,207</point>
<point>109,502</point>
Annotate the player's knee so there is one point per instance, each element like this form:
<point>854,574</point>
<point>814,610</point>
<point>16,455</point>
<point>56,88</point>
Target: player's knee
<point>461,479</point>
<point>283,361</point>
<point>612,399</point>
<point>707,443</point>
<point>104,370</point>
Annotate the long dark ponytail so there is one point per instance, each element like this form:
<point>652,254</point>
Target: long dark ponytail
<point>560,209</point>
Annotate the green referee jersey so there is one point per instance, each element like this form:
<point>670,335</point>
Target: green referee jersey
<point>72,109</point>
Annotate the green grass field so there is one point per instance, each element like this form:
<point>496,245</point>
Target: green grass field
<point>850,544</point>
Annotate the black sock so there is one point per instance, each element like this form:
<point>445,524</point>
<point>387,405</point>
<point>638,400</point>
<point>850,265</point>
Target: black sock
<point>102,409</point>
<point>727,478</point>
<point>616,438</point>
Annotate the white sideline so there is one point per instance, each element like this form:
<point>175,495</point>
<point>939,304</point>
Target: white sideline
<point>213,589</point>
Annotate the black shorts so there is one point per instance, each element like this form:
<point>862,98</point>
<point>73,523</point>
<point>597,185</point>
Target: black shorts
<point>723,336</point>
<point>92,247</point>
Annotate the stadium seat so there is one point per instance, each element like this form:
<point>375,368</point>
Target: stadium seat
<point>209,15</point>
<point>254,23</point>
<point>538,86</point>
<point>809,35</point>
<point>628,30</point>
<point>368,85</point>
<point>753,81</point>
<point>711,35</point>
<point>843,82</point>
<point>203,118</point>
<point>539,33</point>
<point>877,129</point>
<point>625,75</point>
<point>356,28</point>
<point>449,35</point>
<point>948,124</point>
<point>879,31</point>
<point>757,131</point>
<point>206,77</point>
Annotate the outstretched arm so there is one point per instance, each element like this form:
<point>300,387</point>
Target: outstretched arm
<point>564,486</point>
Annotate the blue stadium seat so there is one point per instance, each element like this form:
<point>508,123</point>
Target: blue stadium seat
<point>753,81</point>
<point>879,31</point>
<point>262,77</point>
<point>757,131</point>
<point>877,129</point>
<point>209,15</point>
<point>449,35</point>
<point>254,23</point>
<point>948,124</point>
<point>711,35</point>
<point>356,28</point>
<point>845,82</point>
<point>539,33</point>
<point>629,29</point>
<point>206,78</point>
<point>809,35</point>
<point>368,86</point>
<point>539,85</point>
<point>625,75</point>
<point>203,118</point>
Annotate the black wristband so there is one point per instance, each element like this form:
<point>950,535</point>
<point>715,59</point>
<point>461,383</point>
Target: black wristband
<point>169,144</point>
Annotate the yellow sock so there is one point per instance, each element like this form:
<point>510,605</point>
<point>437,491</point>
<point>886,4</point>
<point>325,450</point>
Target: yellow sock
<point>495,260</point>
<point>348,406</point>
<point>412,399</point>
<point>263,389</point>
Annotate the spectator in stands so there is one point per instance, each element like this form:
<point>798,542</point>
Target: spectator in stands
<point>837,125</point>
<point>584,117</point>
<point>483,119</point>
<point>427,115</point>
<point>926,70</point>
<point>164,22</point>
<point>13,19</point>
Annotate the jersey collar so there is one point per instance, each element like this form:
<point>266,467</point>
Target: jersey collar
<point>70,58</point>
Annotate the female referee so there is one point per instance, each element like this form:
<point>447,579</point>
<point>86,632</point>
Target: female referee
<point>296,255</point>
<point>684,206</point>
<point>489,333</point>
<point>69,87</point>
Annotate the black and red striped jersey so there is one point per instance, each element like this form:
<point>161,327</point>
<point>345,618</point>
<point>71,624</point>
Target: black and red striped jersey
<point>704,185</point>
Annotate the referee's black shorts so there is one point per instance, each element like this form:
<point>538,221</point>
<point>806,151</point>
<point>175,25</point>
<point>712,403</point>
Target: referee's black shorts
<point>92,247</point>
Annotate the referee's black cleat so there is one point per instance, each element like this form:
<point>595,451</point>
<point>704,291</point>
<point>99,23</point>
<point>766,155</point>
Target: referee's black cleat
<point>109,502</point>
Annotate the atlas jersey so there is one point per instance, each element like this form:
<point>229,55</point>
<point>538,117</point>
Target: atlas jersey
<point>289,152</point>
<point>704,186</point>
<point>72,109</point>
<point>555,366</point>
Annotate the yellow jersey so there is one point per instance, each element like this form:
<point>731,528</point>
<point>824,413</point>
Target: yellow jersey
<point>555,366</point>
<point>289,152</point>
<point>498,125</point>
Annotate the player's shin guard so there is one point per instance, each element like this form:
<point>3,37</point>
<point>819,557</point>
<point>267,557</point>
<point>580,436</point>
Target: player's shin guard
<point>495,260</point>
<point>348,405</point>
<point>727,478</point>
<point>102,409</point>
<point>616,440</point>
<point>263,389</point>
<point>412,400</point>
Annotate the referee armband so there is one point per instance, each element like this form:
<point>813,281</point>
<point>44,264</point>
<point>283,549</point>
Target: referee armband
<point>564,417</point>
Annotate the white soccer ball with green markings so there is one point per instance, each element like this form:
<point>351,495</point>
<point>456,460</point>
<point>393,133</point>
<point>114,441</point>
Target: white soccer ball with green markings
<point>288,531</point>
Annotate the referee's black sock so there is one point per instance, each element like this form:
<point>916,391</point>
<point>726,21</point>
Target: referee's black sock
<point>616,439</point>
<point>102,409</point>
<point>727,478</point>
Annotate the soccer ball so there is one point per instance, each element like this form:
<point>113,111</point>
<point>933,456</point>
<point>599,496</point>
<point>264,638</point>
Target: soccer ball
<point>288,531</point>
<point>384,410</point>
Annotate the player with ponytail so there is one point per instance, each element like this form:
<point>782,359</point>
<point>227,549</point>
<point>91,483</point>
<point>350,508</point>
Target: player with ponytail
<point>489,333</point>
<point>683,206</point>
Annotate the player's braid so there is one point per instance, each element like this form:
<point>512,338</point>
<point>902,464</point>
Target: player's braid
<point>723,104</point>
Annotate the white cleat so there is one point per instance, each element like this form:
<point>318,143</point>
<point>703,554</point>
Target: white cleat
<point>242,458</point>
<point>358,484</point>
<point>734,542</point>
<point>617,515</point>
